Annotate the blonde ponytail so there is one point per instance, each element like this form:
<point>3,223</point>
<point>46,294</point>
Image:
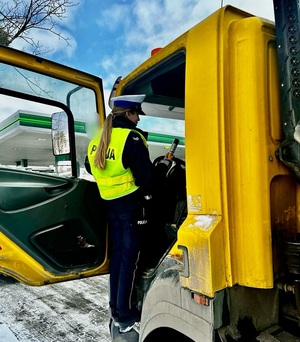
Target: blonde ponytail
<point>100,156</point>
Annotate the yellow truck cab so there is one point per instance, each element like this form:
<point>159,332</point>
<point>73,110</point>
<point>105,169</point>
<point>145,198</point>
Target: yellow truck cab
<point>221,262</point>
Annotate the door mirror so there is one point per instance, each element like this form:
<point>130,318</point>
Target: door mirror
<point>60,134</point>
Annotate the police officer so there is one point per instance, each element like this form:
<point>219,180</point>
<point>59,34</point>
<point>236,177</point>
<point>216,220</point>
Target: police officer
<point>122,168</point>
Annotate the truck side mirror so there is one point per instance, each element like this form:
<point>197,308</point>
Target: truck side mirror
<point>60,134</point>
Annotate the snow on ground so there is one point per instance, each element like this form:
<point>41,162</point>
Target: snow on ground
<point>73,311</point>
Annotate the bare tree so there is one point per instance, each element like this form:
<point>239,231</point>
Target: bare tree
<point>18,17</point>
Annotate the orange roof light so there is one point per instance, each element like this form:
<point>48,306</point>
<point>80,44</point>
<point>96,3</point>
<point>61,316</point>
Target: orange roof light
<point>153,52</point>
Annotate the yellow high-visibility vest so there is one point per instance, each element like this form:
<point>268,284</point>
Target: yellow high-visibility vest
<point>114,181</point>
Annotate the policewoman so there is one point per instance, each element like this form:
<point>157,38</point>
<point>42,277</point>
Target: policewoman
<point>122,168</point>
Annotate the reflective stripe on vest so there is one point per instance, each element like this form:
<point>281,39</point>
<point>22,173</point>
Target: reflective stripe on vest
<point>114,181</point>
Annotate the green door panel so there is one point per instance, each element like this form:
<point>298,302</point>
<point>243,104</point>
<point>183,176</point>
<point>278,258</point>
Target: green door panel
<point>59,222</point>
<point>21,189</point>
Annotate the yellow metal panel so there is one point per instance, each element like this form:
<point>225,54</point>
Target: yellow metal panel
<point>230,151</point>
<point>206,74</point>
<point>248,157</point>
<point>204,111</point>
<point>18,264</point>
<point>203,235</point>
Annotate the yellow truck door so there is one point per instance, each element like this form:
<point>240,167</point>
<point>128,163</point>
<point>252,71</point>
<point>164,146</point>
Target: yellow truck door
<point>52,223</point>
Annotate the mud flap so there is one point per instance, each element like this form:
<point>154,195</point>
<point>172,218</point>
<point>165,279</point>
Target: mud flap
<point>116,336</point>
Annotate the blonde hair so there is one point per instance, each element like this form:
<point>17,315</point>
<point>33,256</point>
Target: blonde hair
<point>100,156</point>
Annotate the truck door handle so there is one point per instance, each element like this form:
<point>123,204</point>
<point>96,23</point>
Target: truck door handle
<point>58,189</point>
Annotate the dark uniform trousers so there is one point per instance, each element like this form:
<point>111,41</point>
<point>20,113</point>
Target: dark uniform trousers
<point>123,214</point>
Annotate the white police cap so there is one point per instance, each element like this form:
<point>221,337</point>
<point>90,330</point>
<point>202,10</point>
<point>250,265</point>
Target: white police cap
<point>130,101</point>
